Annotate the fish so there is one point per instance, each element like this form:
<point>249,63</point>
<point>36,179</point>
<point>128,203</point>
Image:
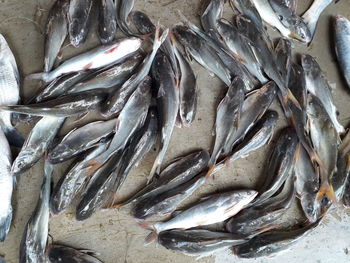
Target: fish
<point>142,22</point>
<point>56,32</point>
<point>107,26</point>
<point>112,77</point>
<point>342,45</point>
<point>290,4</point>
<point>283,52</point>
<point>58,253</point>
<point>35,236</point>
<point>307,184</point>
<point>7,183</point>
<point>60,86</point>
<point>78,21</point>
<point>9,85</point>
<point>81,139</point>
<point>227,117</point>
<point>187,89</point>
<point>295,29</point>
<point>124,8</point>
<point>130,119</point>
<point>116,101</point>
<point>198,242</point>
<point>64,106</point>
<point>95,58</point>
<point>178,172</point>
<point>72,183</point>
<point>210,17</point>
<point>254,106</point>
<point>273,241</point>
<point>37,143</point>
<point>317,85</point>
<point>346,195</point>
<point>254,219</point>
<point>280,165</point>
<point>213,209</point>
<point>164,203</point>
<point>312,15</point>
<point>260,135</point>
<point>239,46</point>
<point>324,138</point>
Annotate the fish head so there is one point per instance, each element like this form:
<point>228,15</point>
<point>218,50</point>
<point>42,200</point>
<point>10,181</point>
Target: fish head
<point>300,31</point>
<point>311,207</point>
<point>3,46</point>
<point>23,162</point>
<point>310,66</point>
<point>342,24</point>
<point>77,32</point>
<point>61,153</point>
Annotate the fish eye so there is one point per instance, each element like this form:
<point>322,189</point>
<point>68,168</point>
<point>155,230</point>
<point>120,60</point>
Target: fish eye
<point>280,17</point>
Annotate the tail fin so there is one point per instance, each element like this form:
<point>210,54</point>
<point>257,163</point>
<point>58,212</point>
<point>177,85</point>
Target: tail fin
<point>150,238</point>
<point>38,76</point>
<point>5,224</point>
<point>14,138</point>
<point>327,190</point>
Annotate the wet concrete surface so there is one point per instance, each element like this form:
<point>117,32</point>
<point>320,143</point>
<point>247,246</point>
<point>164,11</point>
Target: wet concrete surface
<point>113,233</point>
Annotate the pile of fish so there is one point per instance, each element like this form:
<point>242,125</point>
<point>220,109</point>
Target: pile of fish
<point>141,87</point>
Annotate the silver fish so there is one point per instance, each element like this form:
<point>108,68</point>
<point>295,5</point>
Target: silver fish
<point>227,117</point>
<point>168,104</point>
<point>255,219</point>
<point>116,102</point>
<point>7,182</point>
<point>34,240</point>
<point>254,106</point>
<point>317,85</point>
<point>342,45</point>
<point>213,209</point>
<point>78,21</point>
<point>37,143</point>
<point>56,32</point>
<point>9,85</point>
<point>64,106</point>
<point>124,9</point>
<point>81,139</point>
<point>107,25</point>
<point>73,182</point>
<point>96,58</point>
<point>307,184</point>
<point>58,254</point>
<point>164,203</point>
<point>198,242</point>
<point>210,17</point>
<point>280,165</point>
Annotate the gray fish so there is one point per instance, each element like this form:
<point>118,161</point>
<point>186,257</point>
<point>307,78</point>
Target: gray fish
<point>7,183</point>
<point>312,15</point>
<point>271,242</point>
<point>188,90</point>
<point>255,219</point>
<point>283,52</point>
<point>164,203</point>
<point>56,32</point>
<point>325,140</point>
<point>280,165</point>
<point>307,184</point>
<point>213,209</point>
<point>98,57</point>
<point>78,21</point>
<point>9,85</point>
<point>64,106</point>
<point>254,106</point>
<point>142,22</point>
<point>107,25</point>
<point>34,239</point>
<point>124,7</point>
<point>178,172</point>
<point>259,136</point>
<point>227,117</point>
<point>290,4</point>
<point>111,77</point>
<point>342,45</point>
<point>116,102</point>
<point>37,143</point>
<point>198,242</point>
<point>212,14</point>
<point>60,86</point>
<point>59,254</point>
<point>71,184</point>
<point>167,102</point>
<point>81,139</point>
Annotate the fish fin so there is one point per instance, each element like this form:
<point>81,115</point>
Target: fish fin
<point>295,36</point>
<point>227,162</point>
<point>210,171</point>
<point>14,138</point>
<point>150,238</point>
<point>93,165</point>
<point>5,224</point>
<point>80,117</point>
<point>326,189</point>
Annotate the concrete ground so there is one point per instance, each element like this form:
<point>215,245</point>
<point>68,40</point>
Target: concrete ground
<point>114,233</point>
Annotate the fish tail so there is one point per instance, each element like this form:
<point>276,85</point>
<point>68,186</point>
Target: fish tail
<point>14,138</point>
<point>150,238</point>
<point>38,76</point>
<point>5,224</point>
<point>210,171</point>
<point>289,97</point>
<point>93,165</point>
<point>159,39</point>
<point>327,190</point>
